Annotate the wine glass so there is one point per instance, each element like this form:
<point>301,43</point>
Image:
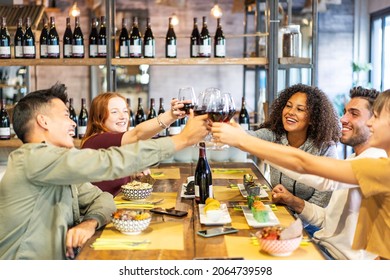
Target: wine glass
<point>188,98</point>
<point>231,106</point>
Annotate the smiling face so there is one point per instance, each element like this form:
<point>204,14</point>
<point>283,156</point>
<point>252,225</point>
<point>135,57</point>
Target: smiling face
<point>355,131</point>
<point>295,114</point>
<point>60,128</point>
<point>118,115</point>
<point>379,126</point>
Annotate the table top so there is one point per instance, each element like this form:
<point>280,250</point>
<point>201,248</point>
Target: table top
<point>171,237</point>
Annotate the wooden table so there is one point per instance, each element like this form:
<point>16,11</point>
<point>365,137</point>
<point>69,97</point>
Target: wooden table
<point>194,246</point>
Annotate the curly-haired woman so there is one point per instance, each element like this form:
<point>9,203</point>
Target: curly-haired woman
<point>303,117</point>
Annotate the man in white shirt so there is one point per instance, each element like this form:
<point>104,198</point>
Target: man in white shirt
<point>337,222</point>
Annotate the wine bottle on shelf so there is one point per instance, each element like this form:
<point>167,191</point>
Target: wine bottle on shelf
<point>93,39</point>
<point>73,115</point>
<point>67,40</point>
<point>77,40</point>
<point>5,40</point>
<point>243,118</point>
<point>152,111</point>
<point>124,40</point>
<point>174,128</point>
<point>170,42</point>
<point>203,177</point>
<point>149,41</point>
<point>219,41</point>
<point>18,39</point>
<point>135,46</point>
<point>195,40</point>
<point>29,50</point>
<point>161,110</point>
<point>43,40</point>
<point>183,122</point>
<point>205,41</point>
<point>53,47</point>
<point>131,115</point>
<point>140,115</point>
<point>102,38</point>
<point>83,119</point>
<point>5,124</point>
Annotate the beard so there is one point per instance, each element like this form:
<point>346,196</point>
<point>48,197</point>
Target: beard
<point>359,137</point>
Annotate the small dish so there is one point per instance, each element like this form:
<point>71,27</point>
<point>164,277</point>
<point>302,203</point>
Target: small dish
<point>244,193</point>
<point>184,191</point>
<point>224,219</point>
<point>273,220</point>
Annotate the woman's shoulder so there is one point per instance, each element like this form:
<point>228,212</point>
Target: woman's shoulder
<point>103,140</point>
<point>264,134</point>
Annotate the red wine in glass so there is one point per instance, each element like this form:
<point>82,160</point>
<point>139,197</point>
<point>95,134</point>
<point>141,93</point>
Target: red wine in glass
<point>187,107</point>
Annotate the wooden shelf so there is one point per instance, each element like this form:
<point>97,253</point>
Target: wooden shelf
<point>53,62</point>
<point>16,143</point>
<point>190,61</point>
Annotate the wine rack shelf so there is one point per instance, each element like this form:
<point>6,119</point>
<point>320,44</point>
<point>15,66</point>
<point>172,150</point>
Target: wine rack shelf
<point>53,62</point>
<point>16,143</point>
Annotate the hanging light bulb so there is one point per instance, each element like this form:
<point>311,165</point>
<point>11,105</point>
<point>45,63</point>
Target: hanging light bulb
<point>74,10</point>
<point>175,19</point>
<point>216,11</point>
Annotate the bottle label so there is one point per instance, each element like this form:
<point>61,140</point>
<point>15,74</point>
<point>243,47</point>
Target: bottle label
<point>182,126</point>
<point>130,128</point>
<point>78,51</point>
<point>135,51</point>
<point>53,50</point>
<point>29,51</point>
<point>67,50</point>
<point>43,50</point>
<point>195,50</point>
<point>124,51</point>
<point>163,133</point>
<point>205,50</point>
<point>149,51</point>
<point>197,193</point>
<point>245,126</point>
<point>82,130</point>
<point>5,133</point>
<point>173,130</point>
<point>220,50</point>
<point>19,51</point>
<point>5,52</point>
<point>93,50</point>
<point>102,50</point>
<point>171,50</point>
<point>211,192</point>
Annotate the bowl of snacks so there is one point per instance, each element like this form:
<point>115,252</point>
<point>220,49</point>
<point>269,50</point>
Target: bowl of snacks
<point>136,190</point>
<point>130,221</point>
<point>271,241</point>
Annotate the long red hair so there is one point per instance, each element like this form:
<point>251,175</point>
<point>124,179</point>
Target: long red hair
<point>98,114</point>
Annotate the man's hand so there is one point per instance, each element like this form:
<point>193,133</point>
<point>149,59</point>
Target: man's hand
<point>281,195</point>
<point>78,235</point>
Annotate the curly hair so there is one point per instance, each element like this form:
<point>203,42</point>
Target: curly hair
<point>323,121</point>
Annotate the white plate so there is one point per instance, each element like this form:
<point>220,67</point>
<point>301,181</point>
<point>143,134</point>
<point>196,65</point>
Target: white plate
<point>244,193</point>
<point>273,220</point>
<point>225,219</point>
<point>183,190</point>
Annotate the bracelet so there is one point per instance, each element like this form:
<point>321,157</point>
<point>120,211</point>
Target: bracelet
<point>161,124</point>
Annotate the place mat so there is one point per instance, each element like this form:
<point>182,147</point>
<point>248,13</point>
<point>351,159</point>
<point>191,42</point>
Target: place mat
<point>159,235</point>
<point>165,173</point>
<point>231,173</point>
<point>168,202</point>
<point>244,247</point>
<point>223,193</point>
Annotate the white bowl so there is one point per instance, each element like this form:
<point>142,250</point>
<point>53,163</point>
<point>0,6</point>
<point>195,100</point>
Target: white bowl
<point>279,247</point>
<point>136,190</point>
<point>214,215</point>
<point>131,227</point>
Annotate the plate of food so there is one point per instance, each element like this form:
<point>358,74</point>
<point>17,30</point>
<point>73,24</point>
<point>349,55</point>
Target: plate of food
<point>188,190</point>
<point>244,193</point>
<point>271,220</point>
<point>214,213</point>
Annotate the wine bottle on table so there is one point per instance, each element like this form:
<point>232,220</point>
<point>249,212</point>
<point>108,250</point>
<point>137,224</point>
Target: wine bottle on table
<point>93,39</point>
<point>77,40</point>
<point>131,115</point>
<point>53,47</point>
<point>124,40</point>
<point>219,41</point>
<point>102,38</point>
<point>149,41</point>
<point>135,46</point>
<point>5,40</point>
<point>83,119</point>
<point>205,41</point>
<point>43,40</point>
<point>140,115</point>
<point>5,124</point>
<point>170,42</point>
<point>29,50</point>
<point>195,40</point>
<point>161,110</point>
<point>203,177</point>
<point>73,115</point>
<point>18,39</point>
<point>67,40</point>
<point>243,118</point>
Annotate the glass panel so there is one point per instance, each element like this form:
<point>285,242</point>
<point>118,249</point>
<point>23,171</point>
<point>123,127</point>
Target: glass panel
<point>376,53</point>
<point>386,55</point>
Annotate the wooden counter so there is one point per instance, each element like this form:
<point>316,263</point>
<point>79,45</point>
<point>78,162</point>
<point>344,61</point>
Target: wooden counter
<point>195,246</point>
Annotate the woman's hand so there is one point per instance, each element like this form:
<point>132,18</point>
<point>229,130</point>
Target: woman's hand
<point>227,133</point>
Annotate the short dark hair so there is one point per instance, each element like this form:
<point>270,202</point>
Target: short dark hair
<point>27,108</point>
<point>368,94</point>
